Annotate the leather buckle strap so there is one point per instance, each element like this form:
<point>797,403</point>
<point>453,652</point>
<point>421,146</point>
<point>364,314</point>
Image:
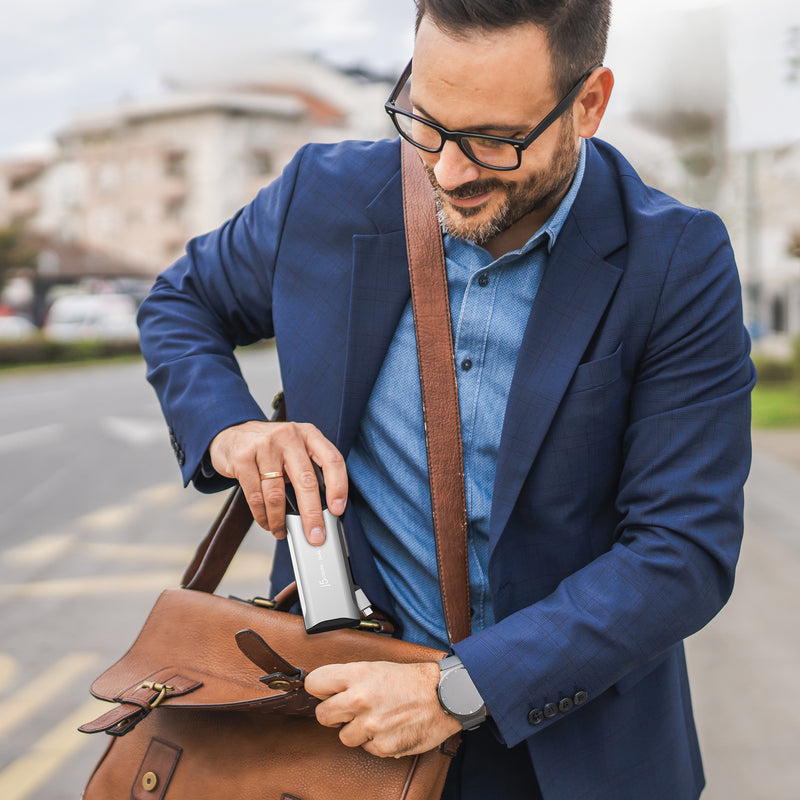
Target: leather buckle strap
<point>137,702</point>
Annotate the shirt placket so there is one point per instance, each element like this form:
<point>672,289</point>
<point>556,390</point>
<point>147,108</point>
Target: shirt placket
<point>470,346</point>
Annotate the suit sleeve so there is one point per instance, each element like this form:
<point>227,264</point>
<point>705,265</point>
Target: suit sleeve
<point>686,455</point>
<point>216,297</point>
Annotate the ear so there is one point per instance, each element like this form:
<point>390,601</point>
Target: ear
<point>592,102</point>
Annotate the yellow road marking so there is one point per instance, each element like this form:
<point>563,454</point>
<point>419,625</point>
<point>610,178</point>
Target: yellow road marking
<point>142,551</point>
<point>204,509</point>
<point>109,518</point>
<point>24,775</point>
<point>36,694</point>
<point>91,586</point>
<point>245,566</point>
<point>41,549</point>
<point>160,494</point>
<point>8,669</point>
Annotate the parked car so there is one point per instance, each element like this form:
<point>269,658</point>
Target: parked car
<point>14,327</point>
<point>74,317</point>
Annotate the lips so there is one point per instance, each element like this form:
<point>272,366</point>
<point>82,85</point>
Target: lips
<point>467,202</point>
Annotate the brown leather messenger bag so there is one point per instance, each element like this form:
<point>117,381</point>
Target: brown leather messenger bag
<point>209,699</point>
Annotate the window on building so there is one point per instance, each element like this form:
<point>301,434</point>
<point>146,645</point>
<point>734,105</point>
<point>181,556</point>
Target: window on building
<point>174,208</point>
<point>263,162</point>
<point>108,177</point>
<point>175,164</point>
<point>778,314</point>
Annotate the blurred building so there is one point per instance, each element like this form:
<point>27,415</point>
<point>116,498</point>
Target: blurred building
<point>19,195</point>
<point>719,84</point>
<point>698,109</point>
<point>131,184</point>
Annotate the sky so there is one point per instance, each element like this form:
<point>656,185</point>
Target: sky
<point>59,58</point>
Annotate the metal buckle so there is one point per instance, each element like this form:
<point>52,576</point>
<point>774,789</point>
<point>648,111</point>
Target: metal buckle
<point>161,688</point>
<point>263,602</point>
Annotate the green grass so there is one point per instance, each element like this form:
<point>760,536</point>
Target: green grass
<point>776,405</point>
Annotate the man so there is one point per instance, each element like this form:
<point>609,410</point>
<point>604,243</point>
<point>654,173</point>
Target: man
<point>604,384</point>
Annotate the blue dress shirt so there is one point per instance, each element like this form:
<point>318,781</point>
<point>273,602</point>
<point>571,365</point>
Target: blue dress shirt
<point>490,303</point>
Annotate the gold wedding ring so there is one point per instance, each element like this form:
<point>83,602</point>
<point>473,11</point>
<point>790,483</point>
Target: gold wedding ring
<point>265,476</point>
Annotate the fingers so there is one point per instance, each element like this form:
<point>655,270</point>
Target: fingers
<point>256,452</point>
<point>328,680</point>
<point>388,709</point>
<point>273,498</point>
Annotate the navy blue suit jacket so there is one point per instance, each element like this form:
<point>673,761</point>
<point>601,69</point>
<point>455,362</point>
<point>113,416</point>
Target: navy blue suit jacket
<point>617,511</point>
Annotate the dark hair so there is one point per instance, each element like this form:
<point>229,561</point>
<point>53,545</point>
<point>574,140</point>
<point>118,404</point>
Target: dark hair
<point>576,30</point>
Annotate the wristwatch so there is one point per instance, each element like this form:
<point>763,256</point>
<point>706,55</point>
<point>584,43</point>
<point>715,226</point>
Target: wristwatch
<point>458,695</point>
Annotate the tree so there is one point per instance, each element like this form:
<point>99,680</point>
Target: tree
<point>794,245</point>
<point>16,252</point>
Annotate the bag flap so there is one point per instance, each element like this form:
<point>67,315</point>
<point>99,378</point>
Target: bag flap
<point>192,634</point>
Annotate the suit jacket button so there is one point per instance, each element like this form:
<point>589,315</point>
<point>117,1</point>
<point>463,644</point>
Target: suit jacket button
<point>565,704</point>
<point>580,698</point>
<point>536,716</point>
<point>550,710</point>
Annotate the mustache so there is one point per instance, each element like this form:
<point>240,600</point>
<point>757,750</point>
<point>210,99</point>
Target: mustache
<point>473,188</point>
<point>466,189</point>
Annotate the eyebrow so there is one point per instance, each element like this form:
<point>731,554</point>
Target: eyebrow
<point>478,129</point>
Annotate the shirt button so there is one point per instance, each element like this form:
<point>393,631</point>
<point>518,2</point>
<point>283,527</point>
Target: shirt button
<point>466,365</point>
<point>483,279</point>
<point>550,710</point>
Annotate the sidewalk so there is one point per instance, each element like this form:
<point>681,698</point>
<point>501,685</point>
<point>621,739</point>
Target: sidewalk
<point>744,665</point>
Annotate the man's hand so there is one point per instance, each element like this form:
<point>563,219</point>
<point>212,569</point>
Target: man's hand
<point>253,449</point>
<point>388,709</point>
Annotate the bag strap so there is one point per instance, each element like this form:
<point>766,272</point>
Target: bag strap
<point>440,408</point>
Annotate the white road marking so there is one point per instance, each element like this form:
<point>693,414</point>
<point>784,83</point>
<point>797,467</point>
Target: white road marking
<point>134,431</point>
<point>33,437</point>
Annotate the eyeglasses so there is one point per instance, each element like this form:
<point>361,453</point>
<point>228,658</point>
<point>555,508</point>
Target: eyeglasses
<point>492,152</point>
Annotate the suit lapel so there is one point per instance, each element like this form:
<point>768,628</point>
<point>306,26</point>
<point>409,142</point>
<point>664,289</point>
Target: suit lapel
<point>576,289</point>
<point>379,292</point>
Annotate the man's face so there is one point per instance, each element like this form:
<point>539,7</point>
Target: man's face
<point>495,82</point>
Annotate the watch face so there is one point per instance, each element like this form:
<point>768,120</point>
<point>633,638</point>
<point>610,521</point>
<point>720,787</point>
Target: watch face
<point>458,693</point>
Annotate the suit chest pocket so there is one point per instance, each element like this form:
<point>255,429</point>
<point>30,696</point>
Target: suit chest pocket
<point>594,408</point>
<point>596,374</point>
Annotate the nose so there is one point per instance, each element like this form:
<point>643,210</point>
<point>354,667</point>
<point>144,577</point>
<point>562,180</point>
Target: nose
<point>453,168</point>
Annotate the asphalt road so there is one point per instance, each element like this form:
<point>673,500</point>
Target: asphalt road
<point>94,524</point>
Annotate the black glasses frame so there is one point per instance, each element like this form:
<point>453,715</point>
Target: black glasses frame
<point>457,136</point>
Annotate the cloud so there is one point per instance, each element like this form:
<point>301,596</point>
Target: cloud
<point>58,57</point>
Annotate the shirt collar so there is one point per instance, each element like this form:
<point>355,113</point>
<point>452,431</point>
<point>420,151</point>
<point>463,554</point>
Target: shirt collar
<point>550,229</point>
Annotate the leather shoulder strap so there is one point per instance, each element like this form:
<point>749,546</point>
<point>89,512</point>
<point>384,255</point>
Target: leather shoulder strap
<point>440,408</point>
<point>439,391</point>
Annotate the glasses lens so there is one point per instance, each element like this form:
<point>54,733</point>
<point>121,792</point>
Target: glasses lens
<point>490,152</point>
<point>418,132</point>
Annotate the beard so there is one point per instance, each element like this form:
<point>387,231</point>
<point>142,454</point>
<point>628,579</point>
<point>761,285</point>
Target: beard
<point>520,198</point>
